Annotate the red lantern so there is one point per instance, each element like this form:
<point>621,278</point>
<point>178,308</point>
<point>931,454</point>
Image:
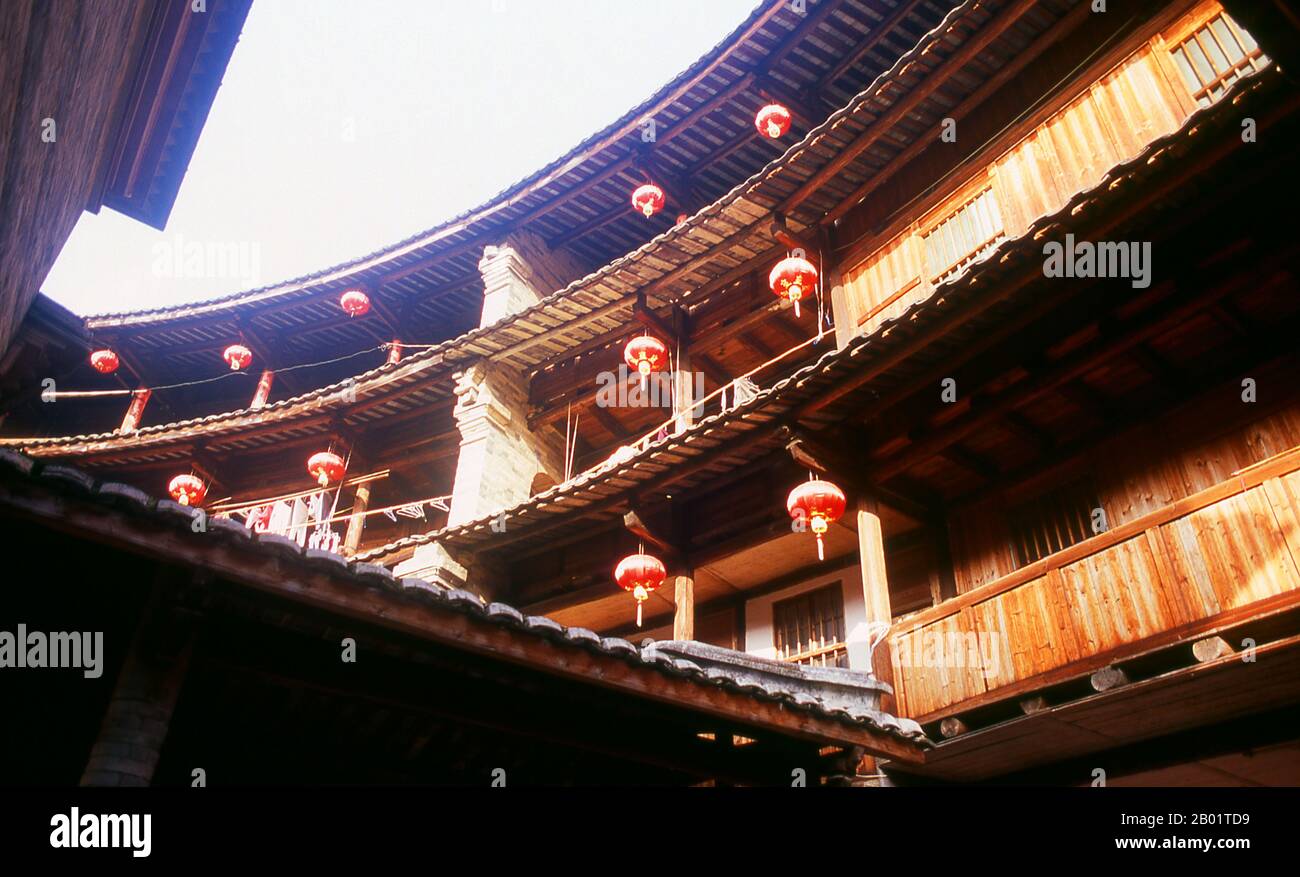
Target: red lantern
<point>104,361</point>
<point>187,490</point>
<point>355,302</point>
<point>793,278</point>
<point>237,356</point>
<point>772,121</point>
<point>640,574</point>
<point>820,503</point>
<point>645,354</point>
<point>325,467</point>
<point>649,199</point>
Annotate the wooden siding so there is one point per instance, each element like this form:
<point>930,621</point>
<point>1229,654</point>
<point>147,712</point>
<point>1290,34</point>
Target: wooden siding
<point>1112,119</point>
<point>1183,569</point>
<point>1133,475</point>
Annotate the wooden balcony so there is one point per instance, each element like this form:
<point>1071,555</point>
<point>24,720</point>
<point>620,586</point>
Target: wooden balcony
<point>1205,564</point>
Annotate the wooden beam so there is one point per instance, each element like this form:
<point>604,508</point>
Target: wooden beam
<point>633,523</point>
<point>1012,68</point>
<point>873,37</point>
<point>901,108</point>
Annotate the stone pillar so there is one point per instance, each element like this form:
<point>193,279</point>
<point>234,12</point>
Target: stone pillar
<point>139,712</point>
<point>499,455</point>
<point>521,271</point>
<point>500,459</point>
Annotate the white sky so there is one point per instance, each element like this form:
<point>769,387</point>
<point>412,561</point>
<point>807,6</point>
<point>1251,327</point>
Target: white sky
<point>343,126</point>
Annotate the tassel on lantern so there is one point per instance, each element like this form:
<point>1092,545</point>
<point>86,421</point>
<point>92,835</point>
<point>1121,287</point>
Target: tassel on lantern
<point>820,503</point>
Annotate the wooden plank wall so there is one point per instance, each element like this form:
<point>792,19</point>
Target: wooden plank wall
<point>1108,121</point>
<point>1133,476</point>
<point>1208,558</point>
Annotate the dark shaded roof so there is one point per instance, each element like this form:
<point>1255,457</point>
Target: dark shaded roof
<point>743,433</point>
<point>185,56</point>
<point>20,475</point>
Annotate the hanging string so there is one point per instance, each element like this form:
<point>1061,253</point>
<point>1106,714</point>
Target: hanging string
<point>73,394</point>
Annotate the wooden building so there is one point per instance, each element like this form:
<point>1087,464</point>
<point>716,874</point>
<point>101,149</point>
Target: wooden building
<point>1049,361</point>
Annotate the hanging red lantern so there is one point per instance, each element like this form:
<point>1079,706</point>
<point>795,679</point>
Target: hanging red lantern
<point>641,575</point>
<point>188,490</point>
<point>325,467</point>
<point>649,199</point>
<point>355,302</point>
<point>820,503</point>
<point>793,278</point>
<point>772,121</point>
<point>237,356</point>
<point>646,354</point>
<point>104,361</point>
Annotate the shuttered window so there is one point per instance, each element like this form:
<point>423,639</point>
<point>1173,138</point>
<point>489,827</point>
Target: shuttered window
<point>1215,56</point>
<point>963,236</point>
<point>809,628</point>
<point>1053,522</point>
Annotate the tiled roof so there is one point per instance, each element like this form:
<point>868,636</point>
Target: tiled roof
<point>73,482</point>
<point>765,27</point>
<point>765,409</point>
<point>715,240</point>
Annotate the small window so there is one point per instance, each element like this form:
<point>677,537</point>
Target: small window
<point>963,237</point>
<point>809,629</point>
<point>1053,522</point>
<point>1215,56</point>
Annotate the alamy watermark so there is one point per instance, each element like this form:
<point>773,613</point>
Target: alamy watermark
<point>616,389</point>
<point>953,649</point>
<point>34,649</point>
<point>1101,259</point>
<point>77,830</point>
<point>205,260</point>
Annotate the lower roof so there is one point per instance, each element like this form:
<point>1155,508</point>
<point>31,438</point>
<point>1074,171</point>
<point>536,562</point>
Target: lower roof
<point>71,501</point>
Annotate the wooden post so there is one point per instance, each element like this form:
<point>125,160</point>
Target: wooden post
<point>683,377</point>
<point>395,352</point>
<point>684,615</point>
<point>875,588</point>
<point>139,398</point>
<point>263,391</point>
<point>871,553</point>
<point>357,523</point>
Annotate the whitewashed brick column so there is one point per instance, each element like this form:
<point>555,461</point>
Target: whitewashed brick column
<point>521,271</point>
<point>499,455</point>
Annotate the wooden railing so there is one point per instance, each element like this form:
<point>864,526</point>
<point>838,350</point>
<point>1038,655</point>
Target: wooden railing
<point>1220,556</point>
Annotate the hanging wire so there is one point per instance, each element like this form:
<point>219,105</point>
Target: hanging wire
<point>71,394</point>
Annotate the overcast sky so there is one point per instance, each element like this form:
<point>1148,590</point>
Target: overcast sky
<point>344,126</point>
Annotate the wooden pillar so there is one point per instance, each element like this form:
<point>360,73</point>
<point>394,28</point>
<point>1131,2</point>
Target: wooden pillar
<point>357,523</point>
<point>871,553</point>
<point>875,593</point>
<point>263,391</point>
<point>683,377</point>
<point>395,352</point>
<point>684,614</point>
<point>140,709</point>
<point>139,398</point>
